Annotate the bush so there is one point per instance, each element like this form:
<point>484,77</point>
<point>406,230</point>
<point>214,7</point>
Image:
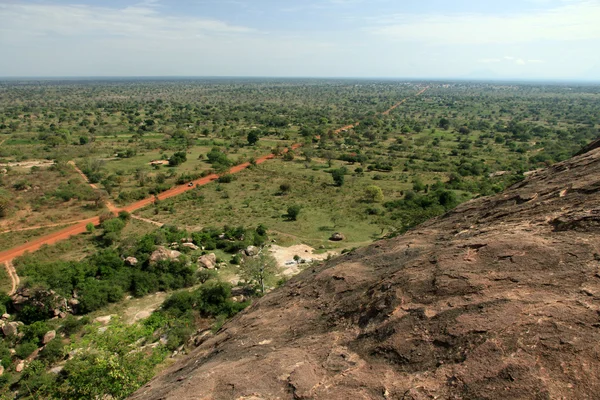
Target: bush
<point>73,325</point>
<point>35,332</point>
<point>178,158</point>
<point>293,212</point>
<point>53,352</point>
<point>24,349</point>
<point>338,176</point>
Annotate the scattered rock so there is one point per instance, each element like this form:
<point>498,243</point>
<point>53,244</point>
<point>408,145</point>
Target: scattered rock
<point>103,320</point>
<point>33,355</point>
<point>337,237</point>
<point>5,316</point>
<point>49,336</point>
<point>10,329</point>
<point>56,370</point>
<point>190,246</point>
<point>498,173</point>
<point>73,353</point>
<point>251,251</point>
<point>208,261</point>
<point>131,261</point>
<point>20,366</point>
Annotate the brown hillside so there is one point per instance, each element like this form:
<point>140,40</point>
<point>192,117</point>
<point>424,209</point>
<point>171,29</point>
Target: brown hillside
<point>499,299</point>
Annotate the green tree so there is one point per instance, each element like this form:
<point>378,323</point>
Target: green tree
<point>178,158</point>
<point>338,176</point>
<point>259,270</point>
<point>373,194</point>
<point>253,137</point>
<point>293,212</point>
<point>418,185</point>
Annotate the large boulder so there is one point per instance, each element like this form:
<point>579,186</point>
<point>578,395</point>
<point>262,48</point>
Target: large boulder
<point>337,237</point>
<point>190,246</point>
<point>251,251</point>
<point>131,261</point>
<point>20,366</point>
<point>10,329</point>
<point>163,254</point>
<point>1,370</point>
<point>208,261</point>
<point>48,337</point>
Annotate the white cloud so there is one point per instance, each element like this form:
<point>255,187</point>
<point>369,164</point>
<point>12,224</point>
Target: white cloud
<point>573,21</point>
<point>142,21</point>
<point>510,60</point>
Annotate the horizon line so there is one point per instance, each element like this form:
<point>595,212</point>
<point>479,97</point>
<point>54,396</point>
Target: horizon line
<point>439,79</point>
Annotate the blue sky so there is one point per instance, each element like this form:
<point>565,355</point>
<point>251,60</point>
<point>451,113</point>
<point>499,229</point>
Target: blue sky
<point>514,39</point>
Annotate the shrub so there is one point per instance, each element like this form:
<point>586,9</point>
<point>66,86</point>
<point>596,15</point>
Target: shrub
<point>53,352</point>
<point>178,158</point>
<point>293,212</point>
<point>24,349</point>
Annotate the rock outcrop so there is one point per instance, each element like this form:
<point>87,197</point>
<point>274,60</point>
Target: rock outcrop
<point>498,299</point>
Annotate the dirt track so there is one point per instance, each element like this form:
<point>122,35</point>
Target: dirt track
<point>12,273</point>
<point>109,204</point>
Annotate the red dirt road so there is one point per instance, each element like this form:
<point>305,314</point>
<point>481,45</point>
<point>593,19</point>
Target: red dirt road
<point>392,108</point>
<point>80,227</point>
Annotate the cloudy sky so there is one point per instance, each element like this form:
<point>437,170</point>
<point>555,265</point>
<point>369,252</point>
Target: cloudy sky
<point>523,39</point>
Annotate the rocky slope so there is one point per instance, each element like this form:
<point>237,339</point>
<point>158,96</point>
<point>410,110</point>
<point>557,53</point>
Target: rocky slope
<point>499,299</point>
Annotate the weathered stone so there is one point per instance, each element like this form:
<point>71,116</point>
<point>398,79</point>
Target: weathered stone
<point>131,261</point>
<point>20,366</point>
<point>48,337</point>
<point>1,370</point>
<point>56,370</point>
<point>251,251</point>
<point>208,261</point>
<point>10,329</point>
<point>337,237</point>
<point>190,246</point>
<point>163,254</point>
<point>5,316</point>
<point>103,320</point>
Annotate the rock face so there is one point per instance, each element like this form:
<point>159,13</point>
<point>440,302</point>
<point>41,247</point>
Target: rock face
<point>498,299</point>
